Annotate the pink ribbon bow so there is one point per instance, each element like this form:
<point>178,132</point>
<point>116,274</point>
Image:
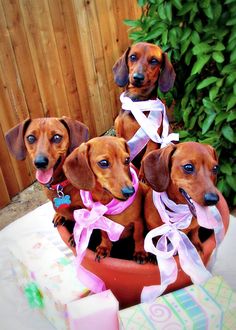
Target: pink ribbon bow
<point>172,241</point>
<point>148,125</point>
<point>88,220</point>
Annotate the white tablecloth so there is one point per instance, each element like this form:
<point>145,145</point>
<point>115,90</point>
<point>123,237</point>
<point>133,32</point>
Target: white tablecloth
<point>14,310</point>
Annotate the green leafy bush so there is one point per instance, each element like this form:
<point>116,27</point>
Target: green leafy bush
<point>200,38</point>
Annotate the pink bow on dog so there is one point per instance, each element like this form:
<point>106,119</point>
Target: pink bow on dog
<point>93,218</point>
<point>176,217</point>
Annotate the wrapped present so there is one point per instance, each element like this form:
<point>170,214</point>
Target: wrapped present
<point>226,298</point>
<point>47,277</point>
<point>211,306</point>
<point>98,311</point>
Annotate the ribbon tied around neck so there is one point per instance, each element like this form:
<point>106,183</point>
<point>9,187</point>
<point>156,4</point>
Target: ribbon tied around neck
<point>172,241</point>
<point>148,124</point>
<point>86,220</point>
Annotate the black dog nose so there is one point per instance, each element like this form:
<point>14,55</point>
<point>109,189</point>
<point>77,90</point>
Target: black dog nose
<point>127,191</point>
<point>41,161</point>
<point>211,199</point>
<point>138,76</point>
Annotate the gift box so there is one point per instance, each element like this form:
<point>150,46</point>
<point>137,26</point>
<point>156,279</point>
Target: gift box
<point>211,306</point>
<point>226,298</point>
<point>98,311</point>
<point>47,277</point>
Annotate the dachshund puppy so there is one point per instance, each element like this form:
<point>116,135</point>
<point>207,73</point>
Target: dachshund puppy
<point>102,167</point>
<point>187,173</point>
<point>141,70</point>
<point>48,141</point>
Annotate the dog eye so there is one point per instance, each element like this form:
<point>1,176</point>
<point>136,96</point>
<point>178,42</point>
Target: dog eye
<point>31,139</point>
<point>103,163</point>
<point>56,138</point>
<point>133,58</point>
<point>216,169</point>
<point>188,168</point>
<point>154,61</point>
<point>127,161</point>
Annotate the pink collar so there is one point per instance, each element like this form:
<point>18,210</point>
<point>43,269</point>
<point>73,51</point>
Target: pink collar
<point>88,220</point>
<point>148,125</point>
<point>176,218</point>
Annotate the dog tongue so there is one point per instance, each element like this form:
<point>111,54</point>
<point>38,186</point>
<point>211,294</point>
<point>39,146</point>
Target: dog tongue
<point>205,217</point>
<point>44,176</point>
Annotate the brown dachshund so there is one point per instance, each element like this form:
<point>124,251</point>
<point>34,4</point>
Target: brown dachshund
<point>186,172</point>
<point>141,70</point>
<point>102,166</point>
<point>49,141</point>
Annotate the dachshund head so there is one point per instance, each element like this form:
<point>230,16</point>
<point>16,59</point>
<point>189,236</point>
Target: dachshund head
<point>141,69</point>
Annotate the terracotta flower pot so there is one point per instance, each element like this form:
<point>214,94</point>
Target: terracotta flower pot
<point>126,278</point>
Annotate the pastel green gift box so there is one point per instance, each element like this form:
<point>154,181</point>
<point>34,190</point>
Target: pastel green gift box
<point>47,277</point>
<point>212,306</point>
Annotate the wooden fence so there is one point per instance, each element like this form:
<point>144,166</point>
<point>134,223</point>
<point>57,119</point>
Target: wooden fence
<point>56,58</point>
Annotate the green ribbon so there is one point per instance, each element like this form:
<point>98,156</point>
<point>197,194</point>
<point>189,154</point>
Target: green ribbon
<point>33,295</point>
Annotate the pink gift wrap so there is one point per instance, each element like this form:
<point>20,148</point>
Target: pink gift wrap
<point>95,312</point>
<point>211,306</point>
<point>47,277</point>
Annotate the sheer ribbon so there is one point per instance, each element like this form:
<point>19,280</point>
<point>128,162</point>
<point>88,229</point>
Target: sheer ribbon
<point>177,217</point>
<point>148,125</point>
<point>86,220</point>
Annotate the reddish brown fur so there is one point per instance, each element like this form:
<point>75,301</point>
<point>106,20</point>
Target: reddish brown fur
<point>160,73</point>
<point>73,134</point>
<point>164,171</point>
<point>82,169</point>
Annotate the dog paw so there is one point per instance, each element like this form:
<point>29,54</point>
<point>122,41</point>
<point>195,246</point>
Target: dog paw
<point>58,220</point>
<point>71,241</point>
<point>152,259</point>
<point>141,257</point>
<point>101,253</point>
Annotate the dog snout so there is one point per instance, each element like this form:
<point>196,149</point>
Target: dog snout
<point>138,77</point>
<point>211,199</point>
<point>127,191</point>
<point>41,162</point>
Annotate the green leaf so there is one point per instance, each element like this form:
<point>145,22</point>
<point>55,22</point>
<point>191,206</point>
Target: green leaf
<point>221,117</point>
<point>201,48</point>
<point>169,11</point>
<point>226,168</point>
<point>231,21</point>
<point>206,82</point>
<point>199,64</point>
<point>195,38</point>
<point>231,116</point>
<point>154,34</point>
<point>132,23</point>
<point>207,123</point>
<point>231,102</point>
<point>218,47</point>
<point>228,133</point>
<point>213,92</point>
<point>183,134</point>
<point>208,12</point>
<point>141,3</point>
<point>231,180</point>
<point>177,4</point>
<point>218,57</point>
<point>185,8</point>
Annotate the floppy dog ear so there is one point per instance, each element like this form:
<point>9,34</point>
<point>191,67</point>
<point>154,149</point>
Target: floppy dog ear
<point>212,151</point>
<point>120,70</point>
<point>15,140</point>
<point>156,167</point>
<point>167,76</point>
<point>77,168</point>
<point>78,132</point>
